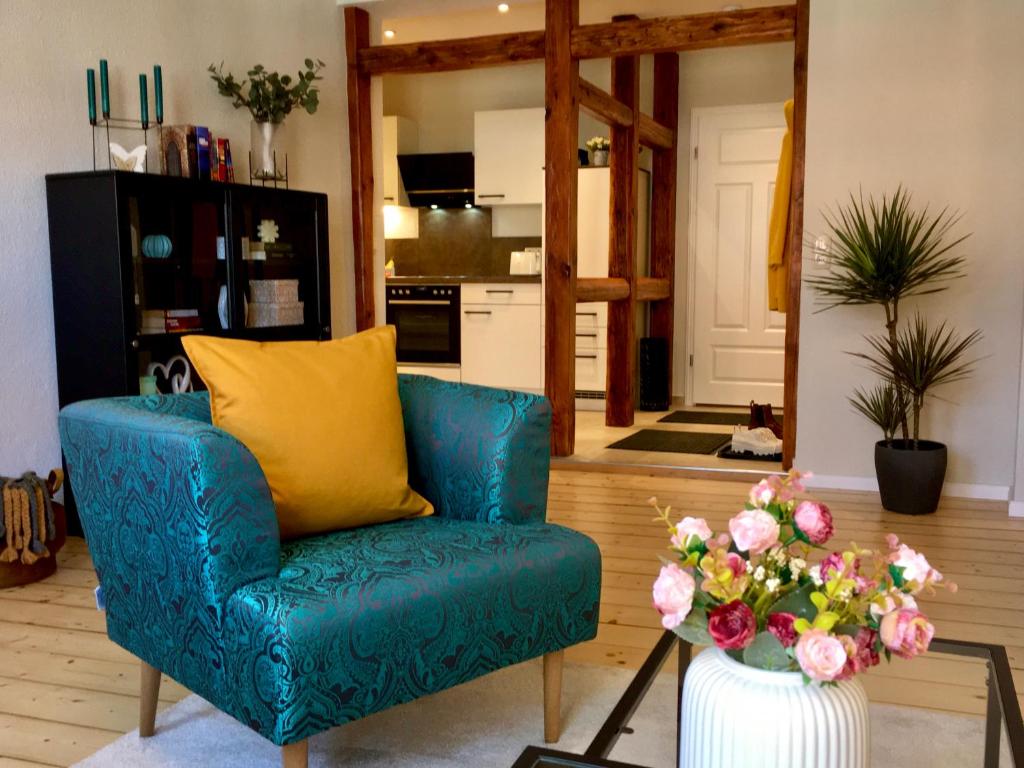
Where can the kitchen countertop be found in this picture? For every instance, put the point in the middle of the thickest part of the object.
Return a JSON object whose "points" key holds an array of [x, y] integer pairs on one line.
{"points": [[453, 279]]}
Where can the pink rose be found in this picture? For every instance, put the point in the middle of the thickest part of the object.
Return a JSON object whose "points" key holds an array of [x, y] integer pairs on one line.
{"points": [[916, 567], [906, 632], [732, 626], [820, 655], [673, 595], [754, 531], [814, 520], [762, 494], [887, 602], [781, 625], [690, 526], [833, 564]]}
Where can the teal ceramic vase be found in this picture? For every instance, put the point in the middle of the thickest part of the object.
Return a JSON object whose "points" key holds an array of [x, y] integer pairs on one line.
{"points": [[156, 246]]}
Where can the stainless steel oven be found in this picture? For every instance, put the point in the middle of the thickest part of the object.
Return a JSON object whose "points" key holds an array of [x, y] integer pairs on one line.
{"points": [[426, 318]]}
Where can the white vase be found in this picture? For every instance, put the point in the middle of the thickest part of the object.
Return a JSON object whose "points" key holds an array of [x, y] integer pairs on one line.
{"points": [[735, 715], [267, 141]]}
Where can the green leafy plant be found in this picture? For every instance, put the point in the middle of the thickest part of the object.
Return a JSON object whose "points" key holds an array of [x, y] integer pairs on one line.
{"points": [[270, 96], [884, 252]]}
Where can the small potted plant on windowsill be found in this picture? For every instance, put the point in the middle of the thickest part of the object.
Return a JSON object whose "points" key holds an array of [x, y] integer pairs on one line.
{"points": [[270, 98], [599, 147], [883, 253]]}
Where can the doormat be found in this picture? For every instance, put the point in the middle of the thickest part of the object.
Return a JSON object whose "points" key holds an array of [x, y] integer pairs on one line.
{"points": [[672, 442], [728, 453], [711, 417]]}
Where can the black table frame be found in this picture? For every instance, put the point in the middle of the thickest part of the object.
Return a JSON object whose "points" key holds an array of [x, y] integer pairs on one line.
{"points": [[1002, 706]]}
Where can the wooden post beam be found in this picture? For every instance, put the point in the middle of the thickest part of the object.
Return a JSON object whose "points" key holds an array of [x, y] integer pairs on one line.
{"points": [[620, 394], [603, 106], [601, 289], [663, 200], [796, 233], [448, 55], [360, 142], [652, 288], [771, 24], [655, 135], [561, 138]]}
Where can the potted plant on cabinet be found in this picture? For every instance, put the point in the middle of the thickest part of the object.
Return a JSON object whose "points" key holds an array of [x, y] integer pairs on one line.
{"points": [[599, 147], [270, 99], [883, 253]]}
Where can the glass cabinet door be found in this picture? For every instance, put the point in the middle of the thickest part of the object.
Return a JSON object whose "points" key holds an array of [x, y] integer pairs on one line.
{"points": [[280, 278]]}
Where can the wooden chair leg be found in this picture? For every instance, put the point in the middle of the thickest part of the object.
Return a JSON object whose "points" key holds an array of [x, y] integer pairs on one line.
{"points": [[149, 691], [295, 755], [553, 696]]}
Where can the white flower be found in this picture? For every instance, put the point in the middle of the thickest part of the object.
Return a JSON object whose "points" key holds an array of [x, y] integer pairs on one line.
{"points": [[815, 574], [759, 573], [749, 566], [772, 584], [796, 566]]}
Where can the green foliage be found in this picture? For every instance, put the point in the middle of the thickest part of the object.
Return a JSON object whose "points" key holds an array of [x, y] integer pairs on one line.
{"points": [[921, 359], [885, 405], [694, 628], [766, 652], [798, 602], [271, 96]]}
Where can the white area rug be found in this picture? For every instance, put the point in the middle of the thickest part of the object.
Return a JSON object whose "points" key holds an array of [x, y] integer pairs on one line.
{"points": [[489, 721]]}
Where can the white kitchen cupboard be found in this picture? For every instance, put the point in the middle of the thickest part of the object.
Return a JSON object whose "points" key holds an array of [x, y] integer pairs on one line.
{"points": [[501, 337], [398, 137], [508, 155], [443, 372]]}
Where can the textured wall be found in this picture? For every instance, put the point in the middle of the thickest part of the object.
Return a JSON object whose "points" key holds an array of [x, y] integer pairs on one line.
{"points": [[47, 46]]}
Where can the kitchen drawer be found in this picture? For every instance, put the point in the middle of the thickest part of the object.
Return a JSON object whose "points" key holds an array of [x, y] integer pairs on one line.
{"points": [[501, 346], [502, 293], [591, 369], [591, 316], [590, 340]]}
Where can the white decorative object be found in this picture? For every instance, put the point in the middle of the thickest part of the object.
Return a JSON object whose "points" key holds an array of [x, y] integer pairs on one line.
{"points": [[222, 307], [760, 441], [268, 231], [734, 715], [180, 382], [128, 161], [268, 154]]}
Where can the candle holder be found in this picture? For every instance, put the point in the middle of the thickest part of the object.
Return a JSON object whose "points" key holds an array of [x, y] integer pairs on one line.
{"points": [[104, 125], [270, 177]]}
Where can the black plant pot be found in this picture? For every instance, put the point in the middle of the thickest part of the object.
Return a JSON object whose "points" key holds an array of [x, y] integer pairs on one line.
{"points": [[910, 481]]}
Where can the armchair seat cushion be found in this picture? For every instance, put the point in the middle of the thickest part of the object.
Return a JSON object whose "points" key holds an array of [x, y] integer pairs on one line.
{"points": [[362, 619]]}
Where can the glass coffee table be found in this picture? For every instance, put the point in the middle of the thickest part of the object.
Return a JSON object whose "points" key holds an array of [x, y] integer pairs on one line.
{"points": [[642, 729]]}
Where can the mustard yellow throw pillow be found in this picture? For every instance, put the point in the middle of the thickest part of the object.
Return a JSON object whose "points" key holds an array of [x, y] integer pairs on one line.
{"points": [[324, 421]]}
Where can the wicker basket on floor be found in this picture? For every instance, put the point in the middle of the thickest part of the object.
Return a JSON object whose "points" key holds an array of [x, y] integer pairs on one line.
{"points": [[30, 559]]}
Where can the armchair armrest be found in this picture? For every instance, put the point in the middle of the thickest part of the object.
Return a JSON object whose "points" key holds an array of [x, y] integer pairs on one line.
{"points": [[178, 516], [477, 453]]}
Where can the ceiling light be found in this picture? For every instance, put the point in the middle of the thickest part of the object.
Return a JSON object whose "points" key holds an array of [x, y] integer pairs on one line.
{"points": [[502, 7], [389, 33]]}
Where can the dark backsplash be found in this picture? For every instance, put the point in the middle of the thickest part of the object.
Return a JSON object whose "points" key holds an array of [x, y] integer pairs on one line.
{"points": [[455, 241]]}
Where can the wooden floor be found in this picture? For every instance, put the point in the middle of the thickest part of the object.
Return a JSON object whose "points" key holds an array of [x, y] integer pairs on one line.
{"points": [[66, 691]]}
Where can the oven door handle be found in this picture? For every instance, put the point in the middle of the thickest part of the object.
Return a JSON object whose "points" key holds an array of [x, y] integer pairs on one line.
{"points": [[420, 302]]}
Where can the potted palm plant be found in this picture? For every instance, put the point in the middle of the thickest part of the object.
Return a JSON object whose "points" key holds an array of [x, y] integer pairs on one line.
{"points": [[883, 253]]}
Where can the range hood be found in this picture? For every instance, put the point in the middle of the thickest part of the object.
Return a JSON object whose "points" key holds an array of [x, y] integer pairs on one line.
{"points": [[444, 180]]}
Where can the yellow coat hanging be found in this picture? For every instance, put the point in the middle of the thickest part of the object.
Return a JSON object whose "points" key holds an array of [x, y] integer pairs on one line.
{"points": [[778, 225]]}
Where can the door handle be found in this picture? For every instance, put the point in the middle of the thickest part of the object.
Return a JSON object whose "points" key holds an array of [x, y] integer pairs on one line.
{"points": [[587, 335], [420, 302], [476, 312], [586, 314], [498, 290], [586, 357], [483, 196]]}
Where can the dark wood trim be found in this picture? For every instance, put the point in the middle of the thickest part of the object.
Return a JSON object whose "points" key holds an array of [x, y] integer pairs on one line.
{"points": [[771, 24], [663, 199], [602, 105], [561, 137], [652, 133], [796, 234], [620, 396], [448, 55], [601, 289], [360, 142], [652, 289]]}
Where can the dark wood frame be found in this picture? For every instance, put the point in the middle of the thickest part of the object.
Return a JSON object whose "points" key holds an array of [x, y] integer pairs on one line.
{"points": [[562, 44]]}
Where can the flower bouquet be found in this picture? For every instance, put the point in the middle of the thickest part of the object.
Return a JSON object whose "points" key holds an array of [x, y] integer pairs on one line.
{"points": [[754, 593]]}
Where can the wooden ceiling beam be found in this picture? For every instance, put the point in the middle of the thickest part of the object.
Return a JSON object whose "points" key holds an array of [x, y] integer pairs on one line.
{"points": [[771, 24], [449, 55], [655, 135], [602, 105], [601, 289]]}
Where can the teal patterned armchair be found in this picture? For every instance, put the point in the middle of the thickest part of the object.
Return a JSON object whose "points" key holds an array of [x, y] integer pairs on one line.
{"points": [[292, 638]]}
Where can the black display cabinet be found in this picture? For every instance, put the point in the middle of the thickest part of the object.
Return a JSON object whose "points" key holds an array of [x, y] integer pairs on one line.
{"points": [[139, 260]]}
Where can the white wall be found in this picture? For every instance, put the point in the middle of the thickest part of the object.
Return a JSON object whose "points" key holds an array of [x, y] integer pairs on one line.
{"points": [[47, 46], [925, 93]]}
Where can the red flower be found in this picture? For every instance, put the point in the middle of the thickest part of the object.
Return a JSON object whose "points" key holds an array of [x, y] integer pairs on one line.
{"points": [[860, 653], [732, 626], [781, 625]]}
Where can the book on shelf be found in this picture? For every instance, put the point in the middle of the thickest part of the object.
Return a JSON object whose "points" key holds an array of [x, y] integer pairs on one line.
{"points": [[170, 320], [225, 171], [203, 152]]}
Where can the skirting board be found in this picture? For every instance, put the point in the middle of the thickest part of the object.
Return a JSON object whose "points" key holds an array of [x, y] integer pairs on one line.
{"points": [[958, 490], [1017, 509]]}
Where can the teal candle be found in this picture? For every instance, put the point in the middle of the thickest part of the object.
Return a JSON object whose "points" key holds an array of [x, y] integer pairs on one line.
{"points": [[104, 89], [90, 86], [158, 93], [144, 100]]}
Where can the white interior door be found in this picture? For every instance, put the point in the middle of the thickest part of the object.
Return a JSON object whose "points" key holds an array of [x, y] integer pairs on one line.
{"points": [[737, 344]]}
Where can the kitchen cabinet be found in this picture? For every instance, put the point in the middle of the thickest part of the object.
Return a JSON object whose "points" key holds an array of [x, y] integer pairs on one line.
{"points": [[442, 372], [508, 156], [398, 137], [501, 335]]}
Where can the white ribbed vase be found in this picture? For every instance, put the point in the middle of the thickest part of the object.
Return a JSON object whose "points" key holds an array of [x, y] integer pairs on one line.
{"points": [[735, 715]]}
